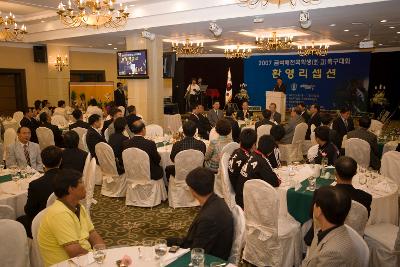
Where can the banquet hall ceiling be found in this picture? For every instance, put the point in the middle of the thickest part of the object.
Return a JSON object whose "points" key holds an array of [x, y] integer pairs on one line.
{"points": [[190, 18]]}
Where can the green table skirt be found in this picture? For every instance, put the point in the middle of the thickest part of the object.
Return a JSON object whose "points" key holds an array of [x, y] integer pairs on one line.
{"points": [[184, 260], [161, 144], [5, 178]]}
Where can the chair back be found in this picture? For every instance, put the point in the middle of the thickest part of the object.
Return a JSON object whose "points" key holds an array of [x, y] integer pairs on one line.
{"points": [[312, 153], [15, 249], [376, 127], [136, 164], [10, 136], [213, 134], [390, 166], [154, 130], [122, 109], [18, 116], [106, 158], [357, 217], [262, 245], [7, 212], [263, 130], [86, 168], [359, 150], [300, 133], [107, 135], [227, 189], [85, 147], [312, 135], [185, 162], [173, 122], [229, 148], [90, 178], [81, 132], [45, 137], [51, 200], [58, 120], [239, 226], [360, 246], [36, 258], [344, 140]]}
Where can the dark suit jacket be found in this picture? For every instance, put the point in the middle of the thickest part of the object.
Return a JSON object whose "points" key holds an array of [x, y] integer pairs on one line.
{"points": [[316, 120], [202, 124], [240, 115], [130, 119], [306, 116], [116, 140], [282, 88], [32, 124], [148, 146], [212, 229], [372, 140], [341, 129], [185, 144], [105, 125], [73, 158], [277, 117], [119, 98], [92, 139], [264, 122], [235, 128], [79, 123], [398, 148], [58, 139], [358, 195]]}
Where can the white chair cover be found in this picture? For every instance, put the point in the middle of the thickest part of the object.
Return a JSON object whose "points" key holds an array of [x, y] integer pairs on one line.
{"points": [[357, 217], [359, 150], [263, 130], [228, 148], [361, 247], [213, 135], [10, 135], [154, 130], [89, 178], [45, 137], [312, 153], [376, 127], [307, 144], [178, 191], [51, 200], [36, 258], [344, 141], [107, 135], [86, 168], [81, 132], [85, 147], [173, 122], [390, 166], [238, 235], [18, 116], [59, 120], [14, 251], [7, 212], [122, 109], [294, 151], [114, 185], [384, 243], [227, 189], [141, 190]]}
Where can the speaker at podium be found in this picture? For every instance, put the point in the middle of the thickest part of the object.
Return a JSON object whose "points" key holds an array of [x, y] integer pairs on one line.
{"points": [[279, 98]]}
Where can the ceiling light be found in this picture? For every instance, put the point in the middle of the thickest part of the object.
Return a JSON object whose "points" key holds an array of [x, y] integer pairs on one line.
{"points": [[381, 44], [210, 50], [305, 50], [346, 30], [383, 21], [42, 21], [9, 29], [115, 48], [392, 27], [274, 43], [110, 44], [356, 35], [187, 48], [398, 32], [238, 52], [333, 25], [264, 3]]}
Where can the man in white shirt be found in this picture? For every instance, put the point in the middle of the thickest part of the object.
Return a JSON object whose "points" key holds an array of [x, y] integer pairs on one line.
{"points": [[60, 110], [23, 152], [191, 93]]}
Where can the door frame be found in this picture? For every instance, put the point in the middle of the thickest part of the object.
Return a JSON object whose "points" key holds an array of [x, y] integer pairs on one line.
{"points": [[20, 87]]}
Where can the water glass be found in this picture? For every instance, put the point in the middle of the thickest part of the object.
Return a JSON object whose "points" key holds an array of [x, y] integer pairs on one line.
{"points": [[147, 250], [197, 257], [99, 253], [160, 249], [311, 183]]}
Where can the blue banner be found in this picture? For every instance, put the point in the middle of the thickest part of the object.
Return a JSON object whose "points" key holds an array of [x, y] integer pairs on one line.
{"points": [[333, 81]]}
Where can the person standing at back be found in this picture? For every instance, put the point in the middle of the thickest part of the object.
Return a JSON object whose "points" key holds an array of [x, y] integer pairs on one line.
{"points": [[119, 95]]}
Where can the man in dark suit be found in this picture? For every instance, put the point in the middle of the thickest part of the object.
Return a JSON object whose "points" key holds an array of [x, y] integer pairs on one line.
{"points": [[343, 123], [188, 142], [119, 95], [326, 149], [234, 124], [363, 134], [215, 114], [114, 113], [276, 117], [314, 119], [78, 116], [93, 135], [73, 157], [326, 120], [131, 117], [30, 122], [40, 189], [266, 119], [212, 229], [148, 146], [116, 142], [304, 112], [279, 86], [202, 123], [45, 120], [244, 113]]}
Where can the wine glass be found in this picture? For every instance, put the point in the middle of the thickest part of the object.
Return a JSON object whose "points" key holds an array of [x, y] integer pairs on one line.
{"points": [[99, 253], [311, 183], [197, 257], [160, 248], [165, 140]]}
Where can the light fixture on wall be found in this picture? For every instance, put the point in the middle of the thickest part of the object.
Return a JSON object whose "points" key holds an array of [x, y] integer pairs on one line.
{"points": [[93, 13], [305, 50], [274, 42], [238, 52], [187, 48], [61, 63], [264, 3], [9, 30]]}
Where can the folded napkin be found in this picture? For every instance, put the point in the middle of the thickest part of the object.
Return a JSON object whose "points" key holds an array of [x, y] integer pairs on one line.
{"points": [[84, 260], [383, 187]]}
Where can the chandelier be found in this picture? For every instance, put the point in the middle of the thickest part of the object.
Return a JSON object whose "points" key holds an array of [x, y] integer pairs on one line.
{"points": [[237, 53], [93, 13], [264, 3], [274, 42], [304, 51], [187, 48], [61, 63], [9, 30]]}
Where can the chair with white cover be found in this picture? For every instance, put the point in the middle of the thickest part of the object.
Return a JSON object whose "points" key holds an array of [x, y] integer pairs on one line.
{"points": [[7, 212], [294, 151], [154, 130], [89, 178], [213, 134], [376, 127], [357, 217], [114, 185], [359, 150], [309, 143], [122, 109], [83, 139], [383, 240], [86, 168], [312, 153], [228, 193], [263, 130], [18, 116], [173, 122], [45, 137], [361, 248], [10, 136], [268, 236], [390, 166], [141, 190], [239, 226], [36, 258], [179, 195], [228, 148], [15, 249], [59, 120], [81, 132], [344, 141], [107, 134], [51, 199]]}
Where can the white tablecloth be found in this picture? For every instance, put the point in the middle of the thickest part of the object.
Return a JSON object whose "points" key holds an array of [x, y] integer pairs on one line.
{"points": [[384, 206], [14, 196], [390, 146]]}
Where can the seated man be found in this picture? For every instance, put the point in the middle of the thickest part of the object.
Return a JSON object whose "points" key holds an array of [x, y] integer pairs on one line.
{"points": [[215, 114], [363, 133], [325, 147], [266, 119], [296, 119], [304, 112], [315, 119], [93, 136], [116, 140], [332, 246], [73, 157], [202, 123], [78, 116], [234, 124], [275, 115], [148, 146], [40, 189], [277, 132], [29, 121], [334, 137], [188, 142], [108, 124], [23, 152], [212, 229], [45, 121], [258, 167], [66, 230], [131, 117], [244, 113], [60, 109], [248, 139]]}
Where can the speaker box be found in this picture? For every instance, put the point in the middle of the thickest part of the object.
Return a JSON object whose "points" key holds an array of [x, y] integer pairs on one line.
{"points": [[40, 53]]}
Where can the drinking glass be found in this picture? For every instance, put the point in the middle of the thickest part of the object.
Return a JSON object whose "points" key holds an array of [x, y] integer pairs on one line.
{"points": [[362, 179], [99, 253], [148, 250], [197, 257], [311, 183], [165, 140], [160, 248]]}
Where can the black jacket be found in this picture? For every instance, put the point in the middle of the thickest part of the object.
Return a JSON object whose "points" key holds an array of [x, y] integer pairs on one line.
{"points": [[73, 158], [58, 139], [148, 146], [316, 120], [32, 124], [93, 137], [185, 144], [119, 98], [238, 158], [212, 229], [240, 115], [235, 128], [306, 116], [116, 140], [202, 124], [341, 129], [105, 125], [79, 123], [331, 151], [358, 195], [282, 88]]}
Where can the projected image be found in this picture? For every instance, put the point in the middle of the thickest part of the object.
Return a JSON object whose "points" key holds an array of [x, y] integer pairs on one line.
{"points": [[132, 64]]}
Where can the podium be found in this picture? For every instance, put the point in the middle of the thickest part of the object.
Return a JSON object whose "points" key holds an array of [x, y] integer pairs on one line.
{"points": [[279, 99]]}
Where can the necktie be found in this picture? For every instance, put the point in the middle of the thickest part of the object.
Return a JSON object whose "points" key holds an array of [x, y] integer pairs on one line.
{"points": [[216, 112], [346, 124], [26, 152]]}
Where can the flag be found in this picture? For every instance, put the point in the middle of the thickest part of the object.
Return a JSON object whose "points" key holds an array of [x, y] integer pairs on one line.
{"points": [[228, 91], [229, 80]]}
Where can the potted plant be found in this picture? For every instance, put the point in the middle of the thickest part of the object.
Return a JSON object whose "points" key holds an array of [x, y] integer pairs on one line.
{"points": [[73, 98]]}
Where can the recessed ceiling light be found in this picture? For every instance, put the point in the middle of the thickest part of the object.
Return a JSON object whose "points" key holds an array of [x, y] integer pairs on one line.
{"points": [[210, 50], [333, 25], [109, 44], [42, 21], [356, 35], [346, 30], [380, 44], [115, 48], [398, 32], [383, 21], [392, 27]]}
